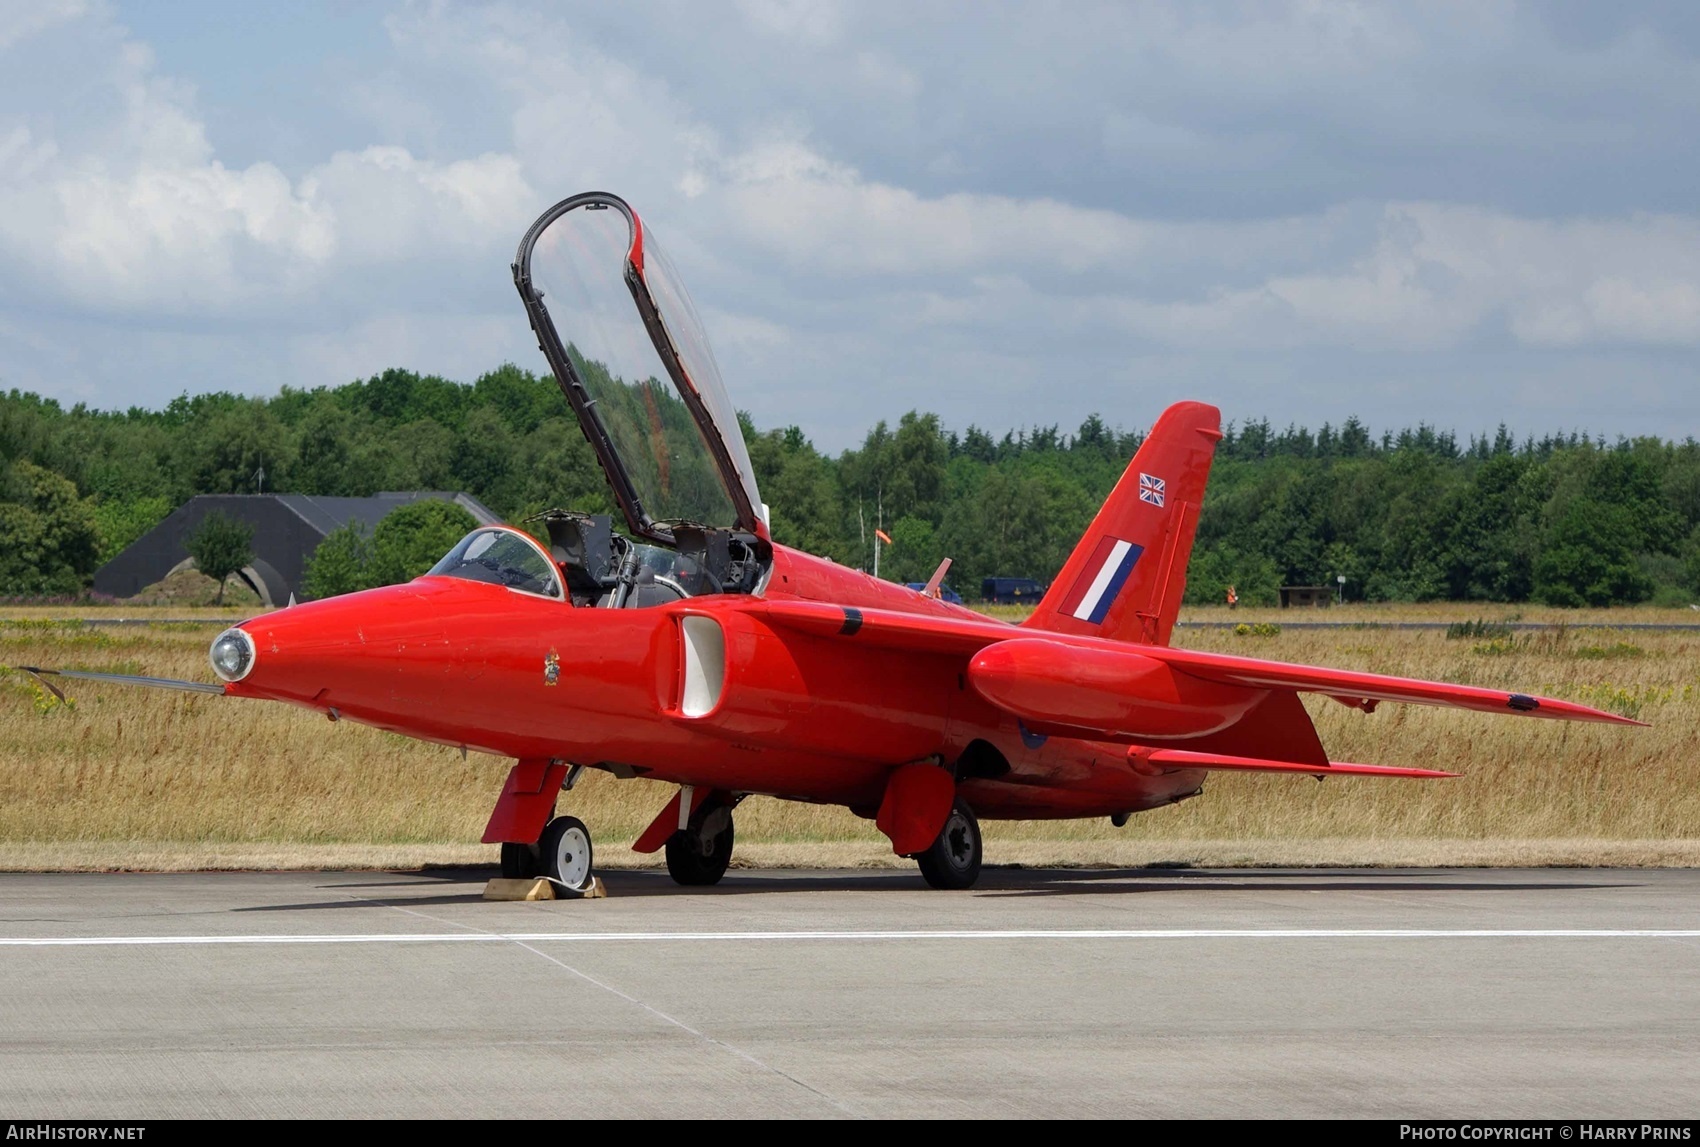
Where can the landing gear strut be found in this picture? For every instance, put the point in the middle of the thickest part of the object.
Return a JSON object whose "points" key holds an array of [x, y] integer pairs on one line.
{"points": [[953, 860], [699, 853]]}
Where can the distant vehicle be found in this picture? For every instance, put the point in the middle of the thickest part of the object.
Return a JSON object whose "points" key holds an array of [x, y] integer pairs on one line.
{"points": [[945, 592], [1011, 590]]}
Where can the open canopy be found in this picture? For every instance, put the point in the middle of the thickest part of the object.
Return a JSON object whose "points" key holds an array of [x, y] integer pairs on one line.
{"points": [[630, 354]]}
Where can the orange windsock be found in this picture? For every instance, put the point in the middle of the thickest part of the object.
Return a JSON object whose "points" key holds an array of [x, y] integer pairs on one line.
{"points": [[883, 536]]}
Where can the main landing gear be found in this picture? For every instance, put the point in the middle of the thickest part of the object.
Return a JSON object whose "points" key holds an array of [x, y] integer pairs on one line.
{"points": [[563, 854], [699, 853], [953, 860]]}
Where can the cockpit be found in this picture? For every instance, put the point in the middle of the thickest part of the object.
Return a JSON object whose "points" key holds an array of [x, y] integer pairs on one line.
{"points": [[590, 564], [630, 355], [605, 568]]}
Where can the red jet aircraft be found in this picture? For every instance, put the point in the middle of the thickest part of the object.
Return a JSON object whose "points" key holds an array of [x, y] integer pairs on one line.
{"points": [[696, 650]]}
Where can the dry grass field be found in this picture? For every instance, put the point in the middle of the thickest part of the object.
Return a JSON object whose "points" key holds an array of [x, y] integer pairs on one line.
{"points": [[131, 778]]}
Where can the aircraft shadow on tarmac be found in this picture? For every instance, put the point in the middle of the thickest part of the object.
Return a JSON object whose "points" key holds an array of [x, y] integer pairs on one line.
{"points": [[1003, 883], [1120, 882]]}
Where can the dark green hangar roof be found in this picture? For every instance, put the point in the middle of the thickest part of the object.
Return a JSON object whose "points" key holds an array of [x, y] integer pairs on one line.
{"points": [[287, 529]]}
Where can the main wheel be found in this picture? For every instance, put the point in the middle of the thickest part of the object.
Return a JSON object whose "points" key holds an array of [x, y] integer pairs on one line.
{"points": [[953, 860], [566, 853], [521, 861], [698, 855]]}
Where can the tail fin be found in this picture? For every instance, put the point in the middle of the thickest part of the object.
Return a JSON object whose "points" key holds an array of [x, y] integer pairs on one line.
{"points": [[1125, 578]]}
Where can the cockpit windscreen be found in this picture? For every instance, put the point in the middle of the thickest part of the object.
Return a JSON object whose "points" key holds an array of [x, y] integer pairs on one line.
{"points": [[501, 557]]}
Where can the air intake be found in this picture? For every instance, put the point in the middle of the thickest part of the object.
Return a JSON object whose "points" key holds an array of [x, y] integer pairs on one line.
{"points": [[705, 665]]}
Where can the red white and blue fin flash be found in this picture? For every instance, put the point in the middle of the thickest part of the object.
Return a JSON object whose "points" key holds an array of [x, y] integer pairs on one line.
{"points": [[1105, 574]]}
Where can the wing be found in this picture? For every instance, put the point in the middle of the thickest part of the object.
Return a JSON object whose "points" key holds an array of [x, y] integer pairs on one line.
{"points": [[1362, 690], [1084, 682]]}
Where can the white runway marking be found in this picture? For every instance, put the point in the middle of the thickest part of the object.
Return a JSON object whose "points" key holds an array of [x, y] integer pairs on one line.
{"points": [[852, 936]]}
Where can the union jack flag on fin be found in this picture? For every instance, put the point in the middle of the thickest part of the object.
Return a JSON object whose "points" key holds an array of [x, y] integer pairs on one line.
{"points": [[1152, 490]]}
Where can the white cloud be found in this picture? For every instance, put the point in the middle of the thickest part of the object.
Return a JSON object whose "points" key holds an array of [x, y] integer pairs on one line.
{"points": [[822, 216], [390, 206], [1441, 271], [880, 75], [810, 22], [1429, 275], [21, 157], [457, 345], [831, 265], [21, 19], [135, 214], [1647, 311]]}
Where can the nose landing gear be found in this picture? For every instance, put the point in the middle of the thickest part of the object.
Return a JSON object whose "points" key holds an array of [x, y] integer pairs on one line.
{"points": [[565, 854], [562, 851], [521, 861]]}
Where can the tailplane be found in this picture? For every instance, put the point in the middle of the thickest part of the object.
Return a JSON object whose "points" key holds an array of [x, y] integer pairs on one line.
{"points": [[1126, 577]]}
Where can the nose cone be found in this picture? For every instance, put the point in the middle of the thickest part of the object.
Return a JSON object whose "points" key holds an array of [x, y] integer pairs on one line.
{"points": [[351, 646], [442, 659]]}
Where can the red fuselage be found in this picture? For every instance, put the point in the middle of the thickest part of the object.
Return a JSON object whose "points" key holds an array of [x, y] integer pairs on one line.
{"points": [[796, 715]]}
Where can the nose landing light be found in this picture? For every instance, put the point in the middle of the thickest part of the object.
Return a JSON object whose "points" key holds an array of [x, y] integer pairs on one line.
{"points": [[232, 654]]}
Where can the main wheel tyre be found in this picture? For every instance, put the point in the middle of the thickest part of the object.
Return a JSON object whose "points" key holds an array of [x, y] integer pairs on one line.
{"points": [[566, 853], [521, 861], [699, 854], [953, 860]]}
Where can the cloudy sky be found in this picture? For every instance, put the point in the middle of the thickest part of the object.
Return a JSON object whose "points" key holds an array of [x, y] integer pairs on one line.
{"points": [[1007, 213]]}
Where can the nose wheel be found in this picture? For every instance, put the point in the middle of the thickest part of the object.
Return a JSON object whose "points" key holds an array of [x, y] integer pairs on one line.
{"points": [[953, 860], [699, 853], [564, 854]]}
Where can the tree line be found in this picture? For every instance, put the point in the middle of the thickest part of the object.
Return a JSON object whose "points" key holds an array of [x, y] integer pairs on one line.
{"points": [[1408, 515]]}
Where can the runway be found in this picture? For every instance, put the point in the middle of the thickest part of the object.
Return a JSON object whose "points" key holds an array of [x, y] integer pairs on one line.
{"points": [[1247, 993]]}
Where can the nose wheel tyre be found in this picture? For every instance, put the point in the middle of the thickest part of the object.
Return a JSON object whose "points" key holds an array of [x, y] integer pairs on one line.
{"points": [[953, 860], [698, 855], [566, 855]]}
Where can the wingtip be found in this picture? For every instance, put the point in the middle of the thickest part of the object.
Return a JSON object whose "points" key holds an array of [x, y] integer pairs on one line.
{"points": [[1605, 717], [1567, 711]]}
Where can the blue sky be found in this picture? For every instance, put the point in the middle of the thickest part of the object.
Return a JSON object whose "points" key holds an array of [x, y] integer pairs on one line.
{"points": [[1007, 213]]}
